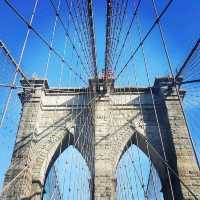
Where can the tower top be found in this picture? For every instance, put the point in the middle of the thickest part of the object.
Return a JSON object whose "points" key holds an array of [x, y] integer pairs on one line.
{"points": [[101, 85]]}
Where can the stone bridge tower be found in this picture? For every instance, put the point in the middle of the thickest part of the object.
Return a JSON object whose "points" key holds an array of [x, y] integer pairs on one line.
{"points": [[116, 119]]}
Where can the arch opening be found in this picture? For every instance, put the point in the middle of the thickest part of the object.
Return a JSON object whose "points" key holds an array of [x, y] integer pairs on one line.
{"points": [[137, 177], [68, 177]]}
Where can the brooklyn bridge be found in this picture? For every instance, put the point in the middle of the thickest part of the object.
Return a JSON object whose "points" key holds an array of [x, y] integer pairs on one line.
{"points": [[99, 100]]}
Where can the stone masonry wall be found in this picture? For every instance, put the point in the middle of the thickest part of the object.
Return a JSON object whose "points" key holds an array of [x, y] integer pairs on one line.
{"points": [[102, 127]]}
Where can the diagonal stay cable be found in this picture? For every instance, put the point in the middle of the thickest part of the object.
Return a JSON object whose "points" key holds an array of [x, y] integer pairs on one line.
{"points": [[188, 58], [17, 67], [145, 37], [173, 76], [119, 28], [127, 33], [79, 35], [86, 26], [67, 33], [29, 165], [165, 162], [114, 17], [19, 63], [159, 156], [92, 36], [83, 34], [44, 40], [108, 34]]}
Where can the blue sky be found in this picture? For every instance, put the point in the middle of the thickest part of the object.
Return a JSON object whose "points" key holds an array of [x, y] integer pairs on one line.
{"points": [[181, 31], [180, 25]]}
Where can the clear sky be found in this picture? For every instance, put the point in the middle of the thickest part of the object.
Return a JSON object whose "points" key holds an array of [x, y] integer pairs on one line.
{"points": [[180, 25]]}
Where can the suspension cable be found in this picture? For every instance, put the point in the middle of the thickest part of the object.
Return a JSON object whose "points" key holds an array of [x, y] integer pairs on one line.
{"points": [[145, 37], [43, 40]]}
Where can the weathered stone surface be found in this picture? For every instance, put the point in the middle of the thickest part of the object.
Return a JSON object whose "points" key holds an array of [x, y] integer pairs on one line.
{"points": [[102, 127]]}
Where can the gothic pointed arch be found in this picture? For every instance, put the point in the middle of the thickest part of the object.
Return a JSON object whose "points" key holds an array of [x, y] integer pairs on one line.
{"points": [[46, 157]]}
